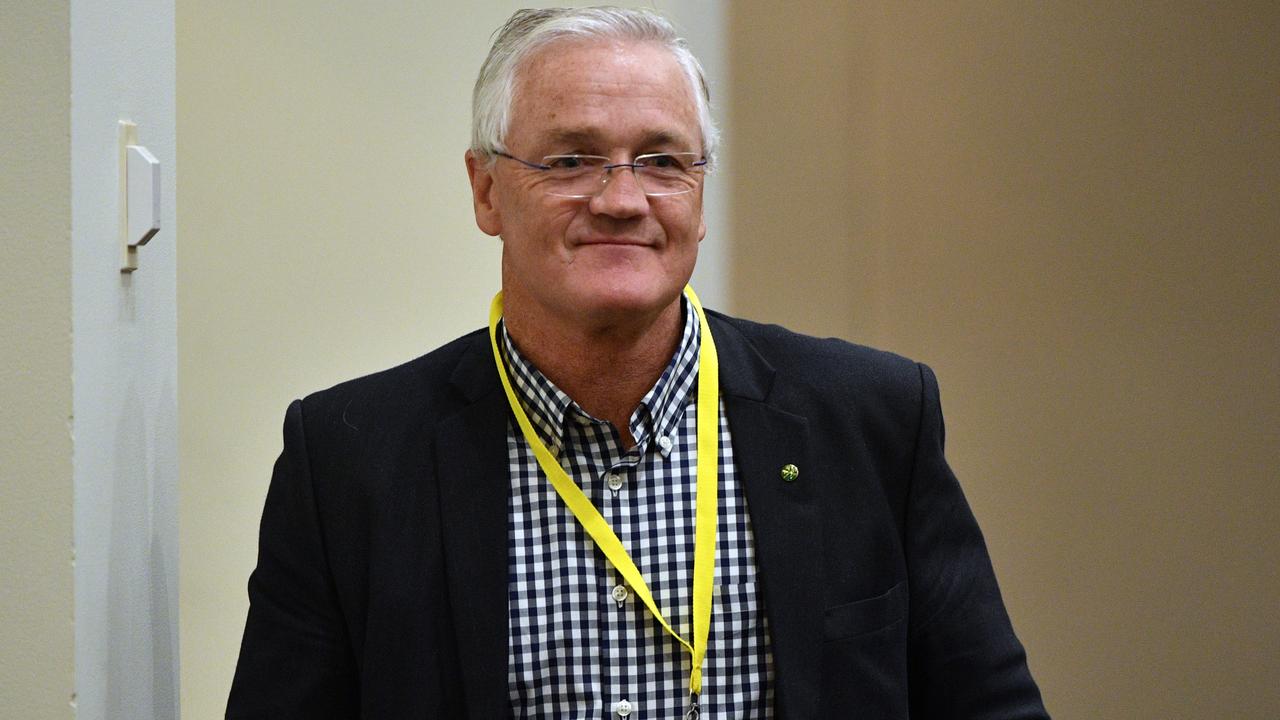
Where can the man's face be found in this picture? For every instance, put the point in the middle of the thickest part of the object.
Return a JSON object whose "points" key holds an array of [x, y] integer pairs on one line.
{"points": [[618, 255]]}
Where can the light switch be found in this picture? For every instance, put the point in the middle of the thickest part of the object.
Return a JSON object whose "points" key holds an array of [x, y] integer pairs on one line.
{"points": [[139, 196]]}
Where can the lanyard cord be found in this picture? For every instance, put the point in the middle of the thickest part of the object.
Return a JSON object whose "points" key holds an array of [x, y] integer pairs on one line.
{"points": [[704, 545]]}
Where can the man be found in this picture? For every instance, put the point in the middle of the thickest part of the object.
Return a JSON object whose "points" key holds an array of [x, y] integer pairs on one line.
{"points": [[612, 503]]}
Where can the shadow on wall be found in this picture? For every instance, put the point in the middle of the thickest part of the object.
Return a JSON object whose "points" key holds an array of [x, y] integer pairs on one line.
{"points": [[140, 641]]}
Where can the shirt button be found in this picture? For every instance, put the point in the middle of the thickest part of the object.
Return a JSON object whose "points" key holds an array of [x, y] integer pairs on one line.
{"points": [[620, 593], [664, 444], [614, 480], [623, 708]]}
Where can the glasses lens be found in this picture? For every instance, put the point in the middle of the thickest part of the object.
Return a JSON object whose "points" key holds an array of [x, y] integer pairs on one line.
{"points": [[668, 173], [574, 175], [581, 176]]}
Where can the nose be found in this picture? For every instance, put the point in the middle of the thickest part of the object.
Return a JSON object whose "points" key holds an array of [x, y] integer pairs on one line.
{"points": [[621, 195]]}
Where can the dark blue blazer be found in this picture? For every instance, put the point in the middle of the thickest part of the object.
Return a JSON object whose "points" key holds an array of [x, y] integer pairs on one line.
{"points": [[381, 585]]}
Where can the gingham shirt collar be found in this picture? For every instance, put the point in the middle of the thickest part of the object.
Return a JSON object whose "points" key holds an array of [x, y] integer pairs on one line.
{"points": [[657, 415]]}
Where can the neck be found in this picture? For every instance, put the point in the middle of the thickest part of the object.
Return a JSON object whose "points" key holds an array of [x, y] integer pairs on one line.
{"points": [[605, 368]]}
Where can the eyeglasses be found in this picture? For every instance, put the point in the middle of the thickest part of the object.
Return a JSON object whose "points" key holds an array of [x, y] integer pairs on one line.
{"points": [[582, 176]]}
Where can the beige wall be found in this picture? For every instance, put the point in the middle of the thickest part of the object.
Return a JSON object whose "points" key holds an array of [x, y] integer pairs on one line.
{"points": [[36, 635], [1072, 211], [327, 233]]}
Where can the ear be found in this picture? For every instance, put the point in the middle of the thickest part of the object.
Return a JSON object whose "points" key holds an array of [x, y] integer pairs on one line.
{"points": [[702, 227], [480, 172]]}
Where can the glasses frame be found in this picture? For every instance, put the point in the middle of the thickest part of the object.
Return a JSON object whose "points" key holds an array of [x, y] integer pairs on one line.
{"points": [[607, 168]]}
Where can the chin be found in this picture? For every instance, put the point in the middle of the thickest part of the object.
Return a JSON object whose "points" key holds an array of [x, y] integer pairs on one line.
{"points": [[627, 300]]}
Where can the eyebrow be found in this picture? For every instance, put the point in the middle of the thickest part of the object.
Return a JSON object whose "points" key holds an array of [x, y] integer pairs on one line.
{"points": [[575, 136]]}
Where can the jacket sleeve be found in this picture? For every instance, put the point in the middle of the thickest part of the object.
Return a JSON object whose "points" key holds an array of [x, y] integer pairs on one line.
{"points": [[965, 661], [295, 660]]}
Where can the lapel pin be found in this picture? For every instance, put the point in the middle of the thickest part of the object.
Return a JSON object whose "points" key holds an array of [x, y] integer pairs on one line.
{"points": [[790, 472]]}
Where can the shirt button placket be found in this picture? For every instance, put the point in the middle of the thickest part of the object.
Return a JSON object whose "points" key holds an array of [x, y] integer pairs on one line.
{"points": [[615, 627]]}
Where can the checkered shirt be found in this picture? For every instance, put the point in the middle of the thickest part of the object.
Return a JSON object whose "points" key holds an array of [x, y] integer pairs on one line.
{"points": [[576, 651]]}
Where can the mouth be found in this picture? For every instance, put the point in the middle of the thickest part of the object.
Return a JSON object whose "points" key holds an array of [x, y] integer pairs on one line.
{"points": [[614, 241]]}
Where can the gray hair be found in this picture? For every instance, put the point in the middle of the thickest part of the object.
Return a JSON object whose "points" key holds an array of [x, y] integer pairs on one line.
{"points": [[529, 30]]}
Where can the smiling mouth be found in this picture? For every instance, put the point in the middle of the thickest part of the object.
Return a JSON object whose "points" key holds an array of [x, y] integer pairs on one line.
{"points": [[624, 242]]}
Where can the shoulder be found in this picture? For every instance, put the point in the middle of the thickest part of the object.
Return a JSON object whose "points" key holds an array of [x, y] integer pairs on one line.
{"points": [[828, 367], [431, 385]]}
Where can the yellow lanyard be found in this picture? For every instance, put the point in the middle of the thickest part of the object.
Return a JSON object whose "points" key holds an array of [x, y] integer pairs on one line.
{"points": [[704, 545]]}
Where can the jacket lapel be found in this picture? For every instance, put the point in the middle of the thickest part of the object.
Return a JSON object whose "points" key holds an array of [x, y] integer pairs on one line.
{"points": [[785, 518], [473, 478]]}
